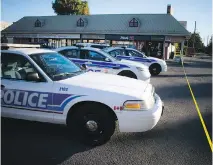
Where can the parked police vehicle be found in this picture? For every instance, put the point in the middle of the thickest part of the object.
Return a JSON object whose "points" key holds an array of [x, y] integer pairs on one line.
{"points": [[156, 65], [43, 85], [93, 45], [97, 60]]}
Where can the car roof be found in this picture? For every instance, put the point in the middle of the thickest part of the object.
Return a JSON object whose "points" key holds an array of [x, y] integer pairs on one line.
{"points": [[27, 51], [98, 44], [75, 47], [65, 47], [112, 48]]}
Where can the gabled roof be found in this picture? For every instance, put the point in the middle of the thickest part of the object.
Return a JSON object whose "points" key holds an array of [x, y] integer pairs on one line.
{"points": [[149, 24]]}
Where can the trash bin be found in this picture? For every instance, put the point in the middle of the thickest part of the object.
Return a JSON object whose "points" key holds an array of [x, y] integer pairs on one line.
{"points": [[172, 54]]}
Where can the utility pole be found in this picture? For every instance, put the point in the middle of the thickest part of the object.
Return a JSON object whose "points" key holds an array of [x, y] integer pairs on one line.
{"points": [[194, 35], [207, 40], [194, 39]]}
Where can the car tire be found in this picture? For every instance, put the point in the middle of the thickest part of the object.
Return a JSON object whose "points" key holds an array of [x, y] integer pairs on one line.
{"points": [[92, 124], [155, 69], [127, 74]]}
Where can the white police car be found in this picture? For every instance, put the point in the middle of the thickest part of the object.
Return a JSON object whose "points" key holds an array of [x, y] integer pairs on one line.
{"points": [[97, 60], [42, 85], [155, 65]]}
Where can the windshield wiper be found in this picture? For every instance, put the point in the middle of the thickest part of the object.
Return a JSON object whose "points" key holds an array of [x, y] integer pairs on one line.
{"points": [[68, 73], [80, 71], [63, 74]]}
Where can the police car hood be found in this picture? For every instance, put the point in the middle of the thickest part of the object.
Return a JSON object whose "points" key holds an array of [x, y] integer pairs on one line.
{"points": [[132, 63], [98, 83]]}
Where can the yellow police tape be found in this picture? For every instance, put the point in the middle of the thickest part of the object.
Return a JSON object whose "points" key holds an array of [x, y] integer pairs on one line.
{"points": [[198, 110]]}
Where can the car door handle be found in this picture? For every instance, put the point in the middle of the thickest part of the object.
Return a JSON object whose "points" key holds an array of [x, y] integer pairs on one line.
{"points": [[2, 87], [88, 63]]}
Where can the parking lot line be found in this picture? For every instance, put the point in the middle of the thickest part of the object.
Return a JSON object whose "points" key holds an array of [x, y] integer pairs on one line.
{"points": [[198, 110]]}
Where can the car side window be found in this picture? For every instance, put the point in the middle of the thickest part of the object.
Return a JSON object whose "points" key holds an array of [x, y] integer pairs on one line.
{"points": [[16, 67], [113, 53], [117, 52], [70, 53], [122, 52], [133, 53], [84, 54], [96, 56]]}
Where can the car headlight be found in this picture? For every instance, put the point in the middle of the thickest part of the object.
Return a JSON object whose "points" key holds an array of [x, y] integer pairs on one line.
{"points": [[141, 105]]}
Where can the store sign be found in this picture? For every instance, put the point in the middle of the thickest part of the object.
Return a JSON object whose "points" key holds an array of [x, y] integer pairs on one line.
{"points": [[126, 37], [93, 36], [157, 38]]}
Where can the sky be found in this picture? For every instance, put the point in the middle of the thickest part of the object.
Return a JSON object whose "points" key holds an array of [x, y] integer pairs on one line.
{"points": [[183, 10]]}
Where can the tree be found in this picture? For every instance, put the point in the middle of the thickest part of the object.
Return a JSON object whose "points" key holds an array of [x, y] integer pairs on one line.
{"points": [[85, 8], [198, 44], [70, 7]]}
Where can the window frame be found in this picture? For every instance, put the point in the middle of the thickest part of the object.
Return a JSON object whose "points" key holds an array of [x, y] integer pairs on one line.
{"points": [[66, 50], [37, 23], [43, 79], [127, 52], [133, 23], [80, 23], [88, 58], [116, 50]]}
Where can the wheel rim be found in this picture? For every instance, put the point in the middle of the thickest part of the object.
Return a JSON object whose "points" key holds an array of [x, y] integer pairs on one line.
{"points": [[91, 125], [154, 70]]}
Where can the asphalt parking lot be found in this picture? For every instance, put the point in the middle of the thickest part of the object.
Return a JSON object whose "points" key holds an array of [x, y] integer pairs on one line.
{"points": [[177, 139]]}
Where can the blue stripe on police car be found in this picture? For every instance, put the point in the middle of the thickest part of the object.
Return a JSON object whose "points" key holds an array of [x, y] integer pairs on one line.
{"points": [[36, 100]]}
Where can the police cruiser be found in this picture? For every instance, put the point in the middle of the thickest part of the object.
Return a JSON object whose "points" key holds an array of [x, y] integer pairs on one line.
{"points": [[97, 60], [42, 85], [156, 66]]}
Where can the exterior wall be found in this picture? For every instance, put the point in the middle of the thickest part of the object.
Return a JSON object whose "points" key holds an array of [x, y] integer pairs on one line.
{"points": [[150, 45]]}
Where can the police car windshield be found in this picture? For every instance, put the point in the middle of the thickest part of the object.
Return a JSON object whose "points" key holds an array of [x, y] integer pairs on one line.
{"points": [[56, 66]]}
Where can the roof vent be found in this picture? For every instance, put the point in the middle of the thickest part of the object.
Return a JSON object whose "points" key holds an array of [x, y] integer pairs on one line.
{"points": [[169, 9]]}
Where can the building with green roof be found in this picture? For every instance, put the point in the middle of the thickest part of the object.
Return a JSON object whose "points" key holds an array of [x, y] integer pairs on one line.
{"points": [[151, 33]]}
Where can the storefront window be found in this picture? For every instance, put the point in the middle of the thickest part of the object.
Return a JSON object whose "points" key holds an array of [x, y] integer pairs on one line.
{"points": [[154, 49]]}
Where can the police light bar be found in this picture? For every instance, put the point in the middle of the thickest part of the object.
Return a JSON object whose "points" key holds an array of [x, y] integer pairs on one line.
{"points": [[124, 47], [80, 46], [6, 46]]}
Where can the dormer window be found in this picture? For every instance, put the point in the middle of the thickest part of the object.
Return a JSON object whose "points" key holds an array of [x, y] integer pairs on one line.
{"points": [[80, 23], [133, 23], [37, 23]]}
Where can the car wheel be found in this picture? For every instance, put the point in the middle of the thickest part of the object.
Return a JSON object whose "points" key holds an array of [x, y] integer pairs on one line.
{"points": [[92, 124], [155, 69], [127, 74]]}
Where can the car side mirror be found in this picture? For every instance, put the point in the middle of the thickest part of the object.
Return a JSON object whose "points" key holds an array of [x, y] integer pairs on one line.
{"points": [[84, 67], [33, 76], [107, 59]]}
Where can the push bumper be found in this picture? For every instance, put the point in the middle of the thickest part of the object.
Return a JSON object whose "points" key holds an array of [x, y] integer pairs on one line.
{"points": [[141, 121]]}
